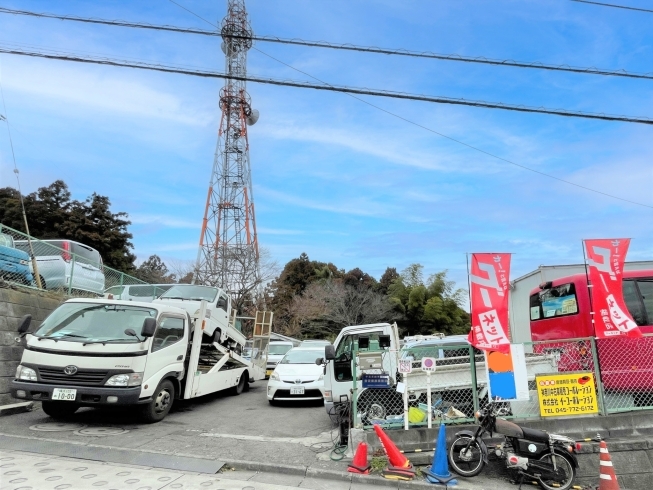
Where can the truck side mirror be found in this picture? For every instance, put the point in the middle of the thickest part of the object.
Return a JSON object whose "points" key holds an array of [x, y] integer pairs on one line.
{"points": [[329, 352], [149, 327], [319, 361], [24, 323]]}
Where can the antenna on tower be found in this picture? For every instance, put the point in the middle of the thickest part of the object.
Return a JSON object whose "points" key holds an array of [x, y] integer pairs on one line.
{"points": [[228, 255]]}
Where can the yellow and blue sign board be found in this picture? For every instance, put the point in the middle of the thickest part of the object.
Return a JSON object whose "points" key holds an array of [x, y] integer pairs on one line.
{"points": [[567, 394]]}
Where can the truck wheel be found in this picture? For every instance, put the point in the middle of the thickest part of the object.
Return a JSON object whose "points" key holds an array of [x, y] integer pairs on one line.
{"points": [[59, 410], [241, 386], [159, 406]]}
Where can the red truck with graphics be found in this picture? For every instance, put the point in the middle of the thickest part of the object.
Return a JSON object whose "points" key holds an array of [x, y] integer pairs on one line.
{"points": [[560, 311]]}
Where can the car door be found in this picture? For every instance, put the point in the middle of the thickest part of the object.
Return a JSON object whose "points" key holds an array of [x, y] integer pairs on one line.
{"points": [[167, 349]]}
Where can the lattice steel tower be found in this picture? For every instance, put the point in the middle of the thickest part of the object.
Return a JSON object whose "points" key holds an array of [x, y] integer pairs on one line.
{"points": [[228, 254]]}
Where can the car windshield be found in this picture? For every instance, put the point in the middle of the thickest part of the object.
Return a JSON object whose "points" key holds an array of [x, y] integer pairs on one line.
{"points": [[191, 292], [301, 357], [278, 349], [93, 322]]}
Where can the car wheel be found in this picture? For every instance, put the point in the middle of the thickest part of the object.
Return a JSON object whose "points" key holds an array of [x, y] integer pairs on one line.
{"points": [[159, 406], [59, 410], [241, 386]]}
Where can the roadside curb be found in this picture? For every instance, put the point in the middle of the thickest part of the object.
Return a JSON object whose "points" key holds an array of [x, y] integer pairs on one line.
{"points": [[14, 408]]}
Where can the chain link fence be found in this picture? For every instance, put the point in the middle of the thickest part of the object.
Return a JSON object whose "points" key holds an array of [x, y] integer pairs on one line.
{"points": [[622, 370], [62, 265]]}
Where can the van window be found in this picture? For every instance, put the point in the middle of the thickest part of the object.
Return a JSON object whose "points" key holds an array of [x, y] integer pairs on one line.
{"points": [[86, 255], [6, 240], [633, 302], [115, 290], [557, 301], [646, 290]]}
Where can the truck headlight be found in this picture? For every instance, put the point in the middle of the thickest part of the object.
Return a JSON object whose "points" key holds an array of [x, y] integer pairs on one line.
{"points": [[25, 373], [23, 262], [127, 379], [275, 376]]}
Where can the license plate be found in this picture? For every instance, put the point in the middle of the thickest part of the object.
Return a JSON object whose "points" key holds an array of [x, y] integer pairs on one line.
{"points": [[297, 390], [64, 394]]}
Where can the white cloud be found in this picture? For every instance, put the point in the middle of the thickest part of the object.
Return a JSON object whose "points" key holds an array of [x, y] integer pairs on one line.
{"points": [[93, 88]]}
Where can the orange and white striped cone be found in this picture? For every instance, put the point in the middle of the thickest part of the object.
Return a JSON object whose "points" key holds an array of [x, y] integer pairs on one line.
{"points": [[607, 478]]}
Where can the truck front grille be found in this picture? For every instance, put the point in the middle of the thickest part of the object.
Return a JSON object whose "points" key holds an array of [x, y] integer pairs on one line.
{"points": [[81, 377]]}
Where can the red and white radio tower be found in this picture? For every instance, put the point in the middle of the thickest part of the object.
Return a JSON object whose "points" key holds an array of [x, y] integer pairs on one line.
{"points": [[228, 254]]}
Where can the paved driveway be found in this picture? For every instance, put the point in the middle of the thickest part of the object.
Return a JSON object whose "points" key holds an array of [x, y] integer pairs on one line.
{"points": [[241, 427]]}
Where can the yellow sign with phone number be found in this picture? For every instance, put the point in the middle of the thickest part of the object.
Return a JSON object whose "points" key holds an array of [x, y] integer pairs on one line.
{"points": [[567, 394]]}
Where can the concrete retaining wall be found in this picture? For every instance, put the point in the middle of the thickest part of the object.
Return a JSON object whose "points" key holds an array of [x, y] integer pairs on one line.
{"points": [[629, 437], [14, 304]]}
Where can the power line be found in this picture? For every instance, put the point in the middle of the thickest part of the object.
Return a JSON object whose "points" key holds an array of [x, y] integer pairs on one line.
{"points": [[349, 47], [614, 6], [444, 135], [331, 88]]}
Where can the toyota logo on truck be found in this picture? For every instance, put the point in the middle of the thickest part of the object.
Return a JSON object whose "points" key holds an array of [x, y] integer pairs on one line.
{"points": [[70, 370]]}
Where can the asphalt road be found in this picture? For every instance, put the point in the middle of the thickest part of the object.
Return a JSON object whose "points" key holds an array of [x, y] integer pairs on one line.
{"points": [[243, 427]]}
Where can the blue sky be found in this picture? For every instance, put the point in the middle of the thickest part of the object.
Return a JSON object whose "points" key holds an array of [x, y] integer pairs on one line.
{"points": [[333, 177]]}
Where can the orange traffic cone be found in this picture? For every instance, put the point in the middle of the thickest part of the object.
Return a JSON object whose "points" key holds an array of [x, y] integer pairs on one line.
{"points": [[608, 480], [359, 464], [399, 468]]}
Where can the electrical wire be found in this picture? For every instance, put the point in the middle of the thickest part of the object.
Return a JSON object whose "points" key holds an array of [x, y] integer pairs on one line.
{"points": [[347, 47], [325, 86], [524, 167], [614, 6]]}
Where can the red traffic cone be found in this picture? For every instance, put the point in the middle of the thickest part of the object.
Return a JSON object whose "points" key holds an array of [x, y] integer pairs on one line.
{"points": [[607, 478], [359, 464], [395, 458]]}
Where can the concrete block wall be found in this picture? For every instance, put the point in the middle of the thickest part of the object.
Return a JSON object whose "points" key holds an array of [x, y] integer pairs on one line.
{"points": [[14, 304]]}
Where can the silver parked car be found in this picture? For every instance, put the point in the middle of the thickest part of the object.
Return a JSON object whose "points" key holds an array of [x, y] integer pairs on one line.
{"points": [[66, 264]]}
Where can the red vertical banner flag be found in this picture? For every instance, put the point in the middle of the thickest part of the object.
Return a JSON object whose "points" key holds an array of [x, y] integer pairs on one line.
{"points": [[489, 280], [605, 264]]}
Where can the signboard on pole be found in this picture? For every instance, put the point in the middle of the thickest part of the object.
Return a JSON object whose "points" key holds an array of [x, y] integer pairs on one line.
{"points": [[405, 366], [566, 394], [489, 279], [605, 263], [428, 364]]}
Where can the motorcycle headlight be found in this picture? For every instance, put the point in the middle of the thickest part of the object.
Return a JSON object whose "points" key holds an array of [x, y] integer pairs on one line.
{"points": [[127, 379], [275, 376], [25, 373]]}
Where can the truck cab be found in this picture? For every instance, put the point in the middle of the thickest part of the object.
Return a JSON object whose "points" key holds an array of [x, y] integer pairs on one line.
{"points": [[339, 357]]}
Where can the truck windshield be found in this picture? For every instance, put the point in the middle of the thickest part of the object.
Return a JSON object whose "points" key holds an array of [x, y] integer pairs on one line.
{"points": [[191, 292], [278, 349], [90, 322]]}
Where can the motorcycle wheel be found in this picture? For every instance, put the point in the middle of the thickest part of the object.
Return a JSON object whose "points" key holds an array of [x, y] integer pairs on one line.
{"points": [[565, 469], [466, 462]]}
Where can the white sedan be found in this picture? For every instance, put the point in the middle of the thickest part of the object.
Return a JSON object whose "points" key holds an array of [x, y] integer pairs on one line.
{"points": [[297, 377]]}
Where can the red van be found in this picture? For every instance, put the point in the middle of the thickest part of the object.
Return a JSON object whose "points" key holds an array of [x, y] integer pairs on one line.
{"points": [[560, 311]]}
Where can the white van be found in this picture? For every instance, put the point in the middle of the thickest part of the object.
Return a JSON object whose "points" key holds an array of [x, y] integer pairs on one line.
{"points": [[66, 264], [145, 293]]}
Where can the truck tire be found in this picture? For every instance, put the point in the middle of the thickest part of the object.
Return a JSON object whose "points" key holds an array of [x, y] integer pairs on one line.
{"points": [[159, 406], [242, 385], [59, 410]]}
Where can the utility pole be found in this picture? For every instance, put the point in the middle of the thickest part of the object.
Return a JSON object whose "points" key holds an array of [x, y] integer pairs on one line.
{"points": [[228, 255]]}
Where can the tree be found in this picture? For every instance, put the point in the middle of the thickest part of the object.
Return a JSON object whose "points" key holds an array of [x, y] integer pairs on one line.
{"points": [[52, 214], [154, 271], [426, 308]]}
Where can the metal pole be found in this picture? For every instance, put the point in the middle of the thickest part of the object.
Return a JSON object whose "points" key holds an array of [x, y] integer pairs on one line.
{"points": [[354, 392], [428, 399], [597, 373], [405, 379], [72, 272], [472, 366]]}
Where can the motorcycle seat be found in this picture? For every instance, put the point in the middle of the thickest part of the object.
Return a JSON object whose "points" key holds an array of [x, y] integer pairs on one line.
{"points": [[535, 435]]}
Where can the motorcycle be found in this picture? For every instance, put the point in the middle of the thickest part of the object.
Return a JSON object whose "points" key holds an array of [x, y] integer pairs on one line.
{"points": [[550, 459]]}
